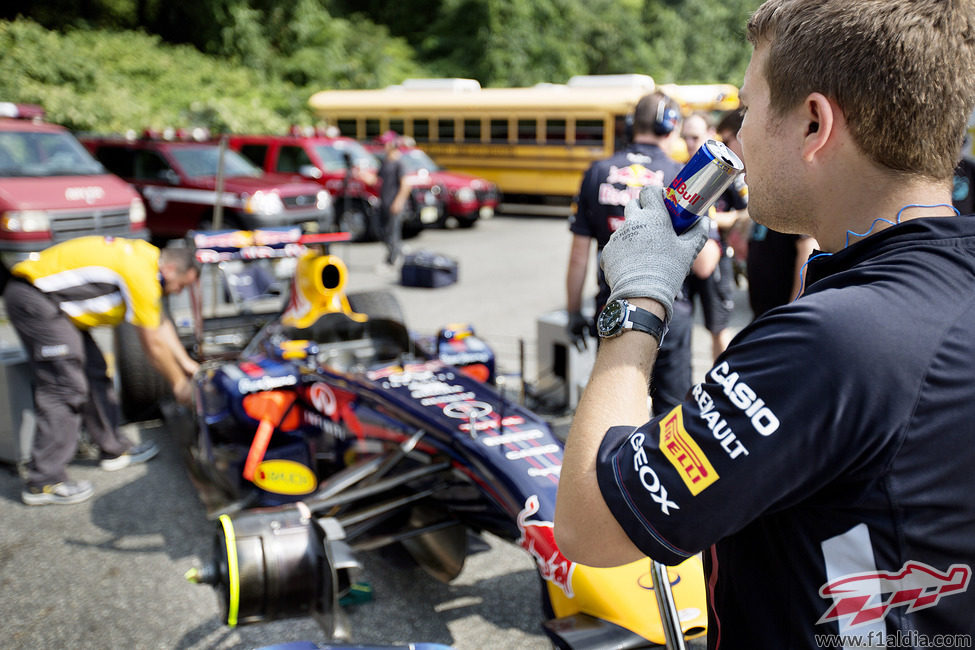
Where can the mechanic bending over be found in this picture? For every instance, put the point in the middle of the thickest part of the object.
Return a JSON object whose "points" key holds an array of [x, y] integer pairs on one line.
{"points": [[53, 299], [824, 467]]}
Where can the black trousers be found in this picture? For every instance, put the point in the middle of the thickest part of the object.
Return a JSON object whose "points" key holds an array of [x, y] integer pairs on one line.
{"points": [[71, 385]]}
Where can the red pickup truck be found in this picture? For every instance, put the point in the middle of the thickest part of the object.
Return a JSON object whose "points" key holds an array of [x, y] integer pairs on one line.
{"points": [[179, 182], [348, 171], [466, 198]]}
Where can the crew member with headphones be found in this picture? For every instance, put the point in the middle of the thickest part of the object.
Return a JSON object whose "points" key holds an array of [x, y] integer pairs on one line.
{"points": [[607, 187]]}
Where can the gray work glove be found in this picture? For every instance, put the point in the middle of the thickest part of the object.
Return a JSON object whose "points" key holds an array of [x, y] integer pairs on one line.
{"points": [[645, 258]]}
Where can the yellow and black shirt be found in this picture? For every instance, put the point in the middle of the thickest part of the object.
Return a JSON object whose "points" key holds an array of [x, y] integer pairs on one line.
{"points": [[99, 280]]}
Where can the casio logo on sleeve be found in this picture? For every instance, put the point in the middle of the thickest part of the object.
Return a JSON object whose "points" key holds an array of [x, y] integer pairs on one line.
{"points": [[746, 399]]}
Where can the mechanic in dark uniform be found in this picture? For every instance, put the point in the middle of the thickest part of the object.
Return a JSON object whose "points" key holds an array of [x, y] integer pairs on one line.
{"points": [[607, 186], [393, 194], [716, 291], [53, 300], [824, 465]]}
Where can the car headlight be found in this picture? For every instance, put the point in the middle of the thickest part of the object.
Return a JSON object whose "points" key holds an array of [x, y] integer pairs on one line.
{"points": [[466, 195], [137, 212], [25, 221], [323, 200], [264, 203]]}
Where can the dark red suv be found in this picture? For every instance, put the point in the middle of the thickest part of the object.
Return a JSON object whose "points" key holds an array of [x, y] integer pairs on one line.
{"points": [[178, 181]]}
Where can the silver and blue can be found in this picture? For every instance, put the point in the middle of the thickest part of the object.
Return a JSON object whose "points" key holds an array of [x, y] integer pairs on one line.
{"points": [[706, 175]]}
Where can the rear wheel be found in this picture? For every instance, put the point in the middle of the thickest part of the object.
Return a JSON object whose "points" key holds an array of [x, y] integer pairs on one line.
{"points": [[141, 387]]}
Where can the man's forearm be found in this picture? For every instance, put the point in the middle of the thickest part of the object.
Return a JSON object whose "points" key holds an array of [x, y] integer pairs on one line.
{"points": [[616, 395], [158, 349], [169, 334]]}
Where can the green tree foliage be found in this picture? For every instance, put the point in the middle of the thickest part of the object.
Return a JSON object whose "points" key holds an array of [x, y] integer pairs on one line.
{"points": [[109, 81], [512, 42], [113, 65]]}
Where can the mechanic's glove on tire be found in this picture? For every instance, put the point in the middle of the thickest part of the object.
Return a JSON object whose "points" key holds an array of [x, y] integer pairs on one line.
{"points": [[579, 328], [645, 258]]}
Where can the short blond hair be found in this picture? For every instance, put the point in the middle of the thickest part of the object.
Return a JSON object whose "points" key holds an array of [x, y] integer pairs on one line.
{"points": [[902, 71]]}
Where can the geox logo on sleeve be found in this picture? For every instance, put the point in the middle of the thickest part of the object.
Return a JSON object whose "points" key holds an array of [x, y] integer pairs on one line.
{"points": [[746, 399], [651, 483], [683, 453]]}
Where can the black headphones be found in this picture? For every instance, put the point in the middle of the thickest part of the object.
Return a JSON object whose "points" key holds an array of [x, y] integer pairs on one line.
{"points": [[666, 118]]}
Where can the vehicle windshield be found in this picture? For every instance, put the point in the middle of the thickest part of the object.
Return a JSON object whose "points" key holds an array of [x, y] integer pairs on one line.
{"points": [[415, 160], [197, 162], [333, 156], [31, 154]]}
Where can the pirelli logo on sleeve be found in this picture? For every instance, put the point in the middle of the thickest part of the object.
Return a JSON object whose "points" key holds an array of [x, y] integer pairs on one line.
{"points": [[683, 453]]}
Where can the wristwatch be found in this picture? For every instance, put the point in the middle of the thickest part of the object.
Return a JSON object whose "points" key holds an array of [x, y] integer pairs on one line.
{"points": [[619, 315]]}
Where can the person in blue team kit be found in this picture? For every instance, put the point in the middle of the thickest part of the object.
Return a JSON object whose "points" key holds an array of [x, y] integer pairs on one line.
{"points": [[824, 466], [607, 186]]}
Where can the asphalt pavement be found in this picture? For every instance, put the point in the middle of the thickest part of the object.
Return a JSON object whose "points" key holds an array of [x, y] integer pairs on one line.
{"points": [[109, 573]]}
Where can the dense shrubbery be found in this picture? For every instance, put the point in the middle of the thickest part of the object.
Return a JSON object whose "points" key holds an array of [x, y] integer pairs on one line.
{"points": [[250, 65]]}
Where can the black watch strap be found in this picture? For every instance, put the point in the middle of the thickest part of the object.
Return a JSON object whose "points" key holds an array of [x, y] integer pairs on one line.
{"points": [[642, 320]]}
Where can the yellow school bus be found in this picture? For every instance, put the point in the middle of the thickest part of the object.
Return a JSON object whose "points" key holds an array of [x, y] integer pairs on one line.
{"points": [[534, 143]]}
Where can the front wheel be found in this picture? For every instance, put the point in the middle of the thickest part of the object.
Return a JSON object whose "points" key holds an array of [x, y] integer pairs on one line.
{"points": [[355, 222]]}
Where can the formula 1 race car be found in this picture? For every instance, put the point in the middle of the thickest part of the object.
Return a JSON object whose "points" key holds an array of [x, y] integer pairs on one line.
{"points": [[336, 430]]}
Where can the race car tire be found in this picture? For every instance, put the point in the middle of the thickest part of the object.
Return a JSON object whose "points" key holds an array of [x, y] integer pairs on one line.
{"points": [[140, 386], [378, 303]]}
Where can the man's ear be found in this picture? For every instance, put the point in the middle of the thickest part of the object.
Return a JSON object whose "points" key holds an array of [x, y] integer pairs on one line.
{"points": [[820, 120]]}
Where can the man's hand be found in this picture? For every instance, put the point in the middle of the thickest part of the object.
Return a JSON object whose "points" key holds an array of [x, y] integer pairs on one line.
{"points": [[183, 392], [579, 328], [645, 258]]}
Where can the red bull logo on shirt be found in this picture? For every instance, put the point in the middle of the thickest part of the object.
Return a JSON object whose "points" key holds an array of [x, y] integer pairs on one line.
{"points": [[634, 177], [869, 597]]}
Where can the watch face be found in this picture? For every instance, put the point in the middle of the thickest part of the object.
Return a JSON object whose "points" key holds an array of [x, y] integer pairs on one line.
{"points": [[611, 318]]}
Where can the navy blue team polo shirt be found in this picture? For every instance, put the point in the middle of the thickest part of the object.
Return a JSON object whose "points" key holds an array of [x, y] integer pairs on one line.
{"points": [[825, 466]]}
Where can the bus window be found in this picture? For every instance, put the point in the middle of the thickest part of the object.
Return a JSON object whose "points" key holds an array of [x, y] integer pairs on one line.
{"points": [[527, 131], [472, 130], [347, 127], [421, 129], [397, 125], [623, 135], [589, 132], [554, 131], [445, 129], [499, 130], [372, 128]]}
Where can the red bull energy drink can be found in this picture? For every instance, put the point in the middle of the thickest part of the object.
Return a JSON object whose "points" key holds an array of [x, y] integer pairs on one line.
{"points": [[706, 175]]}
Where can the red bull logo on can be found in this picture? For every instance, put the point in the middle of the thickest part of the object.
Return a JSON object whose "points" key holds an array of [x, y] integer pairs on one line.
{"points": [[869, 597], [538, 538]]}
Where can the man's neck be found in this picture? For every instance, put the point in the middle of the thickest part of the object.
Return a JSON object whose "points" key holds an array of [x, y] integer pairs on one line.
{"points": [[875, 202]]}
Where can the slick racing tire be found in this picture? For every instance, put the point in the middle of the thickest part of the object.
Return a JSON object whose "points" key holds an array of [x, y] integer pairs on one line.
{"points": [[140, 386], [378, 304]]}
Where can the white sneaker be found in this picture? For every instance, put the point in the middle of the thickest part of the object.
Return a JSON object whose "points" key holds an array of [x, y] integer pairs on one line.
{"points": [[64, 493], [138, 454]]}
